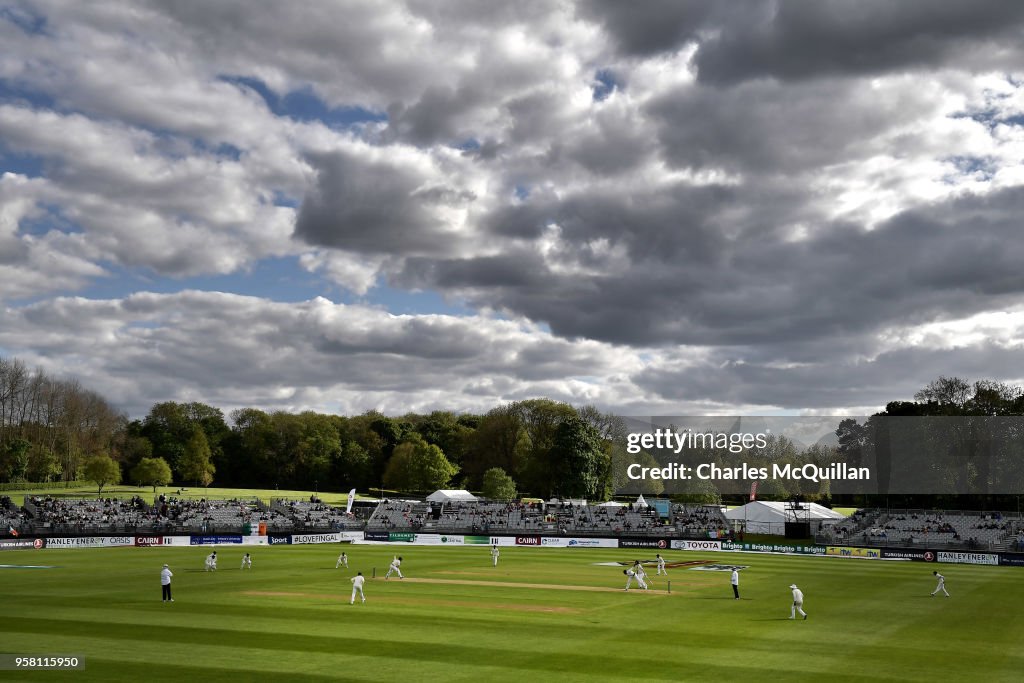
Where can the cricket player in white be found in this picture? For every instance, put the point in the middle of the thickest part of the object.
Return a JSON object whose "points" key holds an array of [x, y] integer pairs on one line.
{"points": [[247, 562], [630, 576], [342, 561], [941, 586], [357, 587], [211, 561], [661, 565], [165, 583], [494, 554], [798, 603], [395, 567], [735, 581], [641, 573]]}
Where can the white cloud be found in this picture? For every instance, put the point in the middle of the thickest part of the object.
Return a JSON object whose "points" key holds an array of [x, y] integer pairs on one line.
{"points": [[748, 222]]}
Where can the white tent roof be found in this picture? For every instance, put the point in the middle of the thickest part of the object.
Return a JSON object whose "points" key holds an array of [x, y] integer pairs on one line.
{"points": [[775, 512], [449, 495], [610, 504], [640, 502]]}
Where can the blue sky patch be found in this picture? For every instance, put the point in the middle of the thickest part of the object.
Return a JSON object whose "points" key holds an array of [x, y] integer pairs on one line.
{"points": [[304, 105], [32, 24], [604, 84], [22, 164]]}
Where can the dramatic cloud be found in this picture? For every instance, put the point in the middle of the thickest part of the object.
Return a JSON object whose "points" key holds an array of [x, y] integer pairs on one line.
{"points": [[686, 206]]}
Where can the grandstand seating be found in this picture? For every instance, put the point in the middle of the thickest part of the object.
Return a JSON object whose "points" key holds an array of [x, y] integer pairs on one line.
{"points": [[166, 515], [929, 529], [315, 516], [564, 518], [12, 519], [873, 527]]}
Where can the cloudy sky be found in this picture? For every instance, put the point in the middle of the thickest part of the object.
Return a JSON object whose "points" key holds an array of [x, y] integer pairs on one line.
{"points": [[674, 207]]}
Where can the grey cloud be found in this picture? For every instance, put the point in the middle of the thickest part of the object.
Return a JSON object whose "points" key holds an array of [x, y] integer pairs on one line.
{"points": [[374, 206], [800, 39], [662, 218], [434, 117], [658, 25], [765, 126], [656, 224], [813, 38], [138, 343], [614, 145], [893, 375], [509, 270], [933, 263]]}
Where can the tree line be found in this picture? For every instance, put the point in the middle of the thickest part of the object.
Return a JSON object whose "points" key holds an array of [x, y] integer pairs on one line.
{"points": [[49, 426], [56, 430]]}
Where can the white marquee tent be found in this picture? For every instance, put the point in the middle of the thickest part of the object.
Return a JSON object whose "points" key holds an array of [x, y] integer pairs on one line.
{"points": [[451, 496], [764, 517]]}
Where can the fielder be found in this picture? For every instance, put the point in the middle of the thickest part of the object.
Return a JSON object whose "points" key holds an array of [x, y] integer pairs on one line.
{"points": [[798, 603], [641, 573], [735, 581], [494, 554], [395, 567], [661, 565], [342, 561], [246, 562], [211, 561], [630, 577], [941, 586], [357, 587]]}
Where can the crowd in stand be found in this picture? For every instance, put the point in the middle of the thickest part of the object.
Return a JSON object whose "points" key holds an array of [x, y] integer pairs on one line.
{"points": [[170, 514], [971, 531], [166, 514], [316, 515], [565, 518], [693, 520], [83, 514], [11, 517]]}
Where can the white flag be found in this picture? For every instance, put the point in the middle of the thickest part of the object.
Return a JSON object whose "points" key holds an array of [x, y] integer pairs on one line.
{"points": [[351, 499]]}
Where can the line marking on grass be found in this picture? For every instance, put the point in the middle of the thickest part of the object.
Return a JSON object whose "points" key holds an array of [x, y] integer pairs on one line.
{"points": [[482, 605], [292, 594], [422, 601], [509, 584]]}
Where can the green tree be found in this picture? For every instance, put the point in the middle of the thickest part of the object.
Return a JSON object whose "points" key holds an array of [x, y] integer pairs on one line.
{"points": [[773, 489], [497, 441], [853, 437], [416, 465], [622, 484], [578, 460], [253, 446], [101, 470], [498, 485], [152, 472], [540, 420], [353, 466], [319, 444], [447, 432], [135, 449], [43, 465], [167, 428], [195, 464], [699, 492], [14, 457]]}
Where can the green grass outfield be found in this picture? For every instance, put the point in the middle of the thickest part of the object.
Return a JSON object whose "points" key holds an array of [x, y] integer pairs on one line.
{"points": [[543, 614]]}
